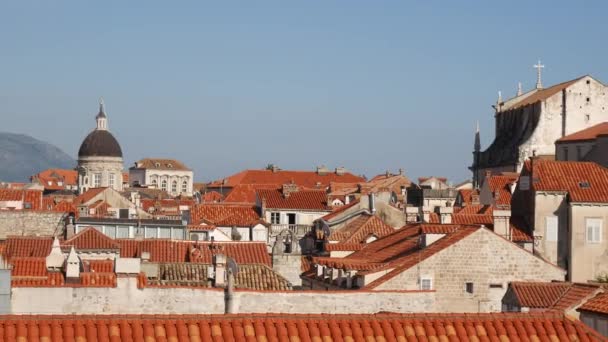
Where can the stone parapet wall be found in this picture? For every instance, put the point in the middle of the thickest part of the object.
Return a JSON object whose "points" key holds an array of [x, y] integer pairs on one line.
{"points": [[33, 223], [126, 298]]}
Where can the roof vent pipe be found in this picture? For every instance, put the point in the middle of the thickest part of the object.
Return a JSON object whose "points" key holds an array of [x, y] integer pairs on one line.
{"points": [[372, 203]]}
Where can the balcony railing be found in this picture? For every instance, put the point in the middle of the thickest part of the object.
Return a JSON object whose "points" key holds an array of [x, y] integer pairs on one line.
{"points": [[297, 229], [435, 193]]}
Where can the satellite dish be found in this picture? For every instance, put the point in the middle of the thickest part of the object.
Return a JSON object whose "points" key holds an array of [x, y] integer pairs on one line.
{"points": [[232, 266]]}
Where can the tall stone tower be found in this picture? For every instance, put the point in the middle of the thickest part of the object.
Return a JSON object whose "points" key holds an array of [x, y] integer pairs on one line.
{"points": [[100, 157], [530, 123]]}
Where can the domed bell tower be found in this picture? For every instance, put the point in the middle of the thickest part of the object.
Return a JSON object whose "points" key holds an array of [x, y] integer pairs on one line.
{"points": [[100, 161]]}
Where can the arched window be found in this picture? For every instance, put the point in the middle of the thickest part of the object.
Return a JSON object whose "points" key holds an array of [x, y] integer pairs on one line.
{"points": [[163, 185], [184, 186], [86, 180], [174, 187], [154, 183]]}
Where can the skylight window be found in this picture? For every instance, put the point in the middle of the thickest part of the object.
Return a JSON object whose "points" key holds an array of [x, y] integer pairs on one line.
{"points": [[584, 185]]}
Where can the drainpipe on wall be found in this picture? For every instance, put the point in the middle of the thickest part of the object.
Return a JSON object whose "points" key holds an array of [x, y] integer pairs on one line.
{"points": [[229, 293]]}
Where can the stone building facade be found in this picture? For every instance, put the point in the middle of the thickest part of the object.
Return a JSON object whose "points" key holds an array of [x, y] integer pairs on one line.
{"points": [[100, 158], [168, 175], [530, 123], [473, 274]]}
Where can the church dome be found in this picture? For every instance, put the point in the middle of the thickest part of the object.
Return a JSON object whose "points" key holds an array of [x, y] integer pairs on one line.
{"points": [[100, 143]]}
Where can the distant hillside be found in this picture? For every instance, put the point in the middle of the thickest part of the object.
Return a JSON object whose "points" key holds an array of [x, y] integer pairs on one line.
{"points": [[22, 156]]}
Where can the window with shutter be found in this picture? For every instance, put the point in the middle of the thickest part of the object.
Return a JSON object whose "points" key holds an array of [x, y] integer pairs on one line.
{"points": [[594, 230]]}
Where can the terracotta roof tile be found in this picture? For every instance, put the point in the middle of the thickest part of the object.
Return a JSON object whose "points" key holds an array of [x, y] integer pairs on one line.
{"points": [[597, 304], [160, 164], [586, 134], [301, 199], [584, 181], [499, 185], [33, 197], [339, 210], [343, 247], [100, 266], [283, 327], [27, 246], [308, 179], [212, 196], [360, 229], [250, 276], [540, 95], [246, 193], [90, 238], [88, 195], [538, 295], [555, 295], [55, 177], [226, 215]]}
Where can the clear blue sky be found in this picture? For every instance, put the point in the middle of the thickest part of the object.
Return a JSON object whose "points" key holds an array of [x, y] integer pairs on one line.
{"points": [[223, 86]]}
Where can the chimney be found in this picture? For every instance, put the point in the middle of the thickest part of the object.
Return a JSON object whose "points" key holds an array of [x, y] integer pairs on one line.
{"points": [[372, 203], [73, 265], [425, 214], [219, 261], [145, 256], [322, 170], [290, 188], [502, 225], [70, 228], [274, 168], [474, 198], [340, 171], [229, 294], [446, 214], [411, 214], [56, 258]]}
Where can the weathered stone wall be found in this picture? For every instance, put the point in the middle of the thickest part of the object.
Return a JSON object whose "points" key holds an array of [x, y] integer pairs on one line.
{"points": [[27, 222], [289, 266], [483, 258], [126, 298], [588, 260]]}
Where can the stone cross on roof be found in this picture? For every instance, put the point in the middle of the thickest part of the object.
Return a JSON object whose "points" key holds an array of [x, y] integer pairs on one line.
{"points": [[538, 66]]}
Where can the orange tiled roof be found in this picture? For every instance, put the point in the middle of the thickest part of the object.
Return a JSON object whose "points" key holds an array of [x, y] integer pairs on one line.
{"points": [[212, 196], [34, 197], [188, 251], [160, 164], [87, 196], [572, 177], [330, 247], [500, 185], [597, 304], [467, 195], [339, 210], [542, 94], [587, 134], [293, 327], [307, 179], [250, 276], [27, 246], [538, 295], [555, 295], [246, 193], [100, 266], [226, 215], [299, 200], [54, 176], [575, 295], [90, 238], [360, 229]]}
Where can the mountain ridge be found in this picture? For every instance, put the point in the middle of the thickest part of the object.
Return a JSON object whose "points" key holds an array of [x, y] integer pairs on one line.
{"points": [[22, 156]]}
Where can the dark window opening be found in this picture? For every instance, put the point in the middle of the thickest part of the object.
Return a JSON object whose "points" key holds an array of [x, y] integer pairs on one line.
{"points": [[469, 287]]}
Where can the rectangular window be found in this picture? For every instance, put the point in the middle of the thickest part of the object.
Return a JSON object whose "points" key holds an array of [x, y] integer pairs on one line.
{"points": [[468, 286], [177, 234], [275, 218], [426, 283], [551, 224], [165, 233], [594, 230], [110, 231], [97, 180], [122, 232], [111, 180], [565, 153]]}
